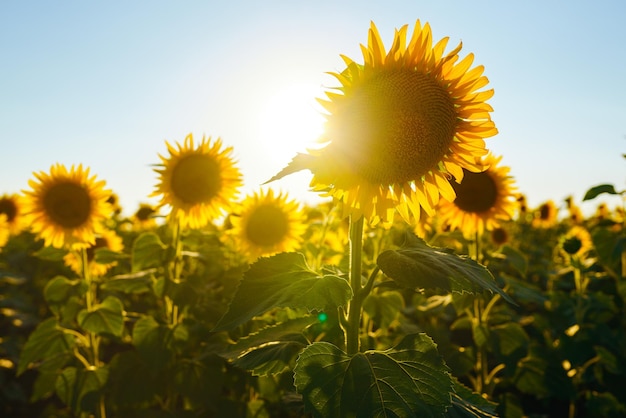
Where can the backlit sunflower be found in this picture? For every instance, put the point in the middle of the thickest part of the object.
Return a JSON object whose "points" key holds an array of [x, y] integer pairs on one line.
{"points": [[105, 239], [482, 199], [576, 242], [66, 207], [546, 215], [268, 224], [197, 182], [399, 126], [11, 206]]}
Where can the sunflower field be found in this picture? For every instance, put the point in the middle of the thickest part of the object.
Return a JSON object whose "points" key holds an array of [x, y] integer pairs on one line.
{"points": [[424, 286]]}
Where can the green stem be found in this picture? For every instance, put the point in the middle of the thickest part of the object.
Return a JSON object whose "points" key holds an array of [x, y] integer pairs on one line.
{"points": [[354, 310], [174, 273]]}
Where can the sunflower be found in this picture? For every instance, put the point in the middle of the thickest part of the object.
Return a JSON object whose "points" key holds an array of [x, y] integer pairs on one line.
{"points": [[11, 206], [576, 242], [197, 182], [546, 215], [66, 207], [399, 126], [144, 217], [105, 239], [482, 199], [268, 224], [4, 230]]}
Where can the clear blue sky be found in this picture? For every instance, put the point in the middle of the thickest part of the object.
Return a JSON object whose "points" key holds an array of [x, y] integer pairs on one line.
{"points": [[106, 83]]}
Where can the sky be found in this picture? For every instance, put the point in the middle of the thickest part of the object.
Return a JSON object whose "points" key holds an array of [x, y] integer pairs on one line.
{"points": [[105, 84]]}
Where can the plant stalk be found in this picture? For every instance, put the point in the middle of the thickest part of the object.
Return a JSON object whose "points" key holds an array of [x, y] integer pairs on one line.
{"points": [[354, 310]]}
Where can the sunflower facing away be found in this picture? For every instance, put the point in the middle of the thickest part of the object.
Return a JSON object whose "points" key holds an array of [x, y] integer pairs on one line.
{"points": [[482, 199], [197, 182], [66, 207], [105, 239], [399, 126], [268, 224], [12, 207]]}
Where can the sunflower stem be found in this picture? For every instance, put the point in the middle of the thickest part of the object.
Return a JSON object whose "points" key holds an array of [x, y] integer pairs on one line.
{"points": [[354, 310]]}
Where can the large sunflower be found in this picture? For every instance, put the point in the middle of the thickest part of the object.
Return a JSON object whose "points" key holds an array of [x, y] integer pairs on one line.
{"points": [[106, 239], [198, 182], [11, 206], [482, 199], [66, 207], [268, 224], [399, 126]]}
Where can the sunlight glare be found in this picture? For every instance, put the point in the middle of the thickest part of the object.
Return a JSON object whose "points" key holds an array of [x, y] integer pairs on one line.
{"points": [[291, 121]]}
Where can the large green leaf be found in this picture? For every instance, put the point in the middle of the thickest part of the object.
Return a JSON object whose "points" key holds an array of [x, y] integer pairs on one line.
{"points": [[106, 318], [283, 280], [598, 190], [468, 404], [133, 283], [80, 389], [47, 343], [272, 358], [60, 288], [409, 380], [148, 251], [417, 265]]}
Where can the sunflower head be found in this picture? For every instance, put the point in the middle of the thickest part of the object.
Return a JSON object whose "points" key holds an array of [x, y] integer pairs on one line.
{"points": [[11, 205], [144, 217], [546, 215], [482, 199], [268, 224], [197, 182], [399, 126], [576, 242], [4, 230], [66, 207], [105, 239]]}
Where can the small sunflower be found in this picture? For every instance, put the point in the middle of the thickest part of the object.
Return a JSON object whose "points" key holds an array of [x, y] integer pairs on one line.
{"points": [[144, 217], [11, 205], [105, 239], [546, 215], [576, 242], [482, 199], [4, 230], [399, 126], [66, 207], [197, 182], [268, 224]]}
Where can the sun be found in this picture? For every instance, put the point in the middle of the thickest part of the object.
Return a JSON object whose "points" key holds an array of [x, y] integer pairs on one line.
{"points": [[291, 120]]}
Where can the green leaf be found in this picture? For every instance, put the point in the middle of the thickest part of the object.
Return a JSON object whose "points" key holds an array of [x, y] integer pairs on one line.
{"points": [[148, 251], [104, 255], [409, 380], [271, 358], [283, 280], [106, 318], [384, 307], [80, 388], [47, 343], [509, 337], [516, 259], [155, 342], [133, 283], [59, 289], [50, 253], [598, 190], [418, 265], [468, 404]]}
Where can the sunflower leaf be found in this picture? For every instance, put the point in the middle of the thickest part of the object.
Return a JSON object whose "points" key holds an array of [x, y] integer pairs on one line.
{"points": [[418, 265], [334, 384], [47, 343], [466, 403], [106, 318], [298, 163], [148, 251], [283, 280], [598, 190]]}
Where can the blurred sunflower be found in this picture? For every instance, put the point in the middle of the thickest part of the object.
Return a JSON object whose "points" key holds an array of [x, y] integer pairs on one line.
{"points": [[105, 239], [482, 199], [4, 230], [399, 126], [114, 203], [66, 207], [197, 182], [576, 242], [268, 224], [546, 215], [11, 205], [575, 214], [144, 217]]}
